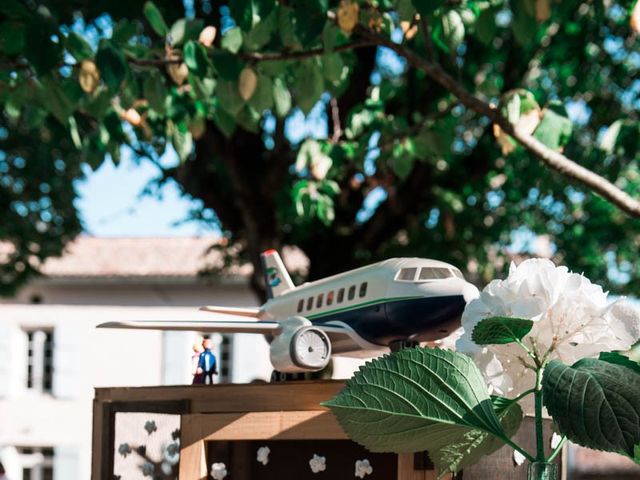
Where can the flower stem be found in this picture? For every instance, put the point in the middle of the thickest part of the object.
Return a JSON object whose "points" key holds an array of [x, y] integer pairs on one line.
{"points": [[557, 450], [538, 411], [524, 394]]}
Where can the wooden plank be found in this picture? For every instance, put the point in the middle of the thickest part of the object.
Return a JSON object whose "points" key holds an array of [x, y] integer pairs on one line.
{"points": [[299, 395], [318, 425]]}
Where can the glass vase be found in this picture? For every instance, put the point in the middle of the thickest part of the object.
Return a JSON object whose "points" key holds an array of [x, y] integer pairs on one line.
{"points": [[542, 471]]}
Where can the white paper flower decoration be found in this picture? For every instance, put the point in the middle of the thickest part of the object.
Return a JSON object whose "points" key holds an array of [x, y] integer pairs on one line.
{"points": [[572, 320], [518, 458], [318, 463], [555, 440], [263, 455], [218, 471], [363, 467]]}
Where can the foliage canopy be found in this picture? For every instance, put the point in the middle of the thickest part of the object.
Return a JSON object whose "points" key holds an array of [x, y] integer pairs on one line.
{"points": [[410, 157]]}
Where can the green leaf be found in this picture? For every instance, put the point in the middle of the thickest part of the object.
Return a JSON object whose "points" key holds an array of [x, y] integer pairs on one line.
{"points": [[112, 65], [406, 401], [595, 403], [55, 100], [427, 7], [524, 24], [610, 137], [232, 40], [308, 85], [620, 359], [453, 30], [155, 19], [124, 30], [281, 98], [261, 33], [242, 13], [12, 37], [202, 88], [229, 97], [309, 18], [500, 330], [182, 141], [195, 57], [262, 98], [486, 26], [225, 122], [78, 47], [154, 90], [464, 447], [332, 67], [555, 128], [41, 51]]}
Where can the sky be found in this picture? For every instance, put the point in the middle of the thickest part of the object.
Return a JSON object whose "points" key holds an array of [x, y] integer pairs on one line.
{"points": [[111, 201]]}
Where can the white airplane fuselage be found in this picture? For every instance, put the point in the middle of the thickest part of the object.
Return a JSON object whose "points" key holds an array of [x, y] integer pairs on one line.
{"points": [[380, 303]]}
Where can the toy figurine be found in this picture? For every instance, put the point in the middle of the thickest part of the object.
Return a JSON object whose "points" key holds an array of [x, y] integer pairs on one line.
{"points": [[195, 362], [207, 364]]}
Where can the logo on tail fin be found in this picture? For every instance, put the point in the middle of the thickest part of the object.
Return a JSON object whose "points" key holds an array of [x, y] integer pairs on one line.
{"points": [[276, 276], [272, 277]]}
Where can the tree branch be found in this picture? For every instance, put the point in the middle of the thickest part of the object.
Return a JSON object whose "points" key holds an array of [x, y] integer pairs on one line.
{"points": [[263, 57], [551, 158]]}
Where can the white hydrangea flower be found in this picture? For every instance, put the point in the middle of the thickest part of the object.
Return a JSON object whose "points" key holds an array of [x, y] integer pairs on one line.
{"points": [[218, 471], [263, 455], [363, 468], [318, 463], [572, 320]]}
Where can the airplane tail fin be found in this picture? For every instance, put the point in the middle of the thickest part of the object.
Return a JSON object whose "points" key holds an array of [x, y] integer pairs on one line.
{"points": [[276, 276]]}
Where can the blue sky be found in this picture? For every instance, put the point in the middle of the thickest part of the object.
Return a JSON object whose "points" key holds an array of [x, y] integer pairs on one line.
{"points": [[111, 203]]}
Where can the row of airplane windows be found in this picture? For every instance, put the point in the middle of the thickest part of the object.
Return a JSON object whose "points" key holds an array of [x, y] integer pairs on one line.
{"points": [[331, 296]]}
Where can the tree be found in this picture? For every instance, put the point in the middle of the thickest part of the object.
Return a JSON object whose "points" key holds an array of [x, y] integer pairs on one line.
{"points": [[447, 127]]}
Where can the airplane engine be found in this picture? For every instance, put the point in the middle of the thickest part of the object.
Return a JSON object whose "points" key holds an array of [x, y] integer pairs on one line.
{"points": [[300, 347]]}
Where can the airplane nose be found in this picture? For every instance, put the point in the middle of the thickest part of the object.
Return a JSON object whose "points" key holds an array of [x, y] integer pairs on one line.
{"points": [[470, 292]]}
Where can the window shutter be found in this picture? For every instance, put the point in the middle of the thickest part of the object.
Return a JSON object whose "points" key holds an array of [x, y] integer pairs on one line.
{"points": [[66, 361], [13, 359], [66, 463], [5, 358]]}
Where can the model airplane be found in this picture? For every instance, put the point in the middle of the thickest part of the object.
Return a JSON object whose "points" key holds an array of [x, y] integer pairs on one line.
{"points": [[361, 313]]}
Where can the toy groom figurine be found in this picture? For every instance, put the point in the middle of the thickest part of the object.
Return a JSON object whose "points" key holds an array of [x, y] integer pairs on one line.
{"points": [[207, 363]]}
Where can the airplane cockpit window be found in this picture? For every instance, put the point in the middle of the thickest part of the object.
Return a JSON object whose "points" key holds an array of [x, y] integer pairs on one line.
{"points": [[340, 295], [319, 301], [300, 305], [309, 303], [330, 298], [432, 273], [363, 289], [407, 274], [352, 292]]}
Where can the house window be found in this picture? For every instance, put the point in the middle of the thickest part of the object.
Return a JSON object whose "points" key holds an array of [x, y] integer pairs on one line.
{"points": [[224, 366], [40, 360], [319, 301], [309, 303], [330, 298], [300, 305], [37, 463], [363, 289], [340, 295], [352, 292]]}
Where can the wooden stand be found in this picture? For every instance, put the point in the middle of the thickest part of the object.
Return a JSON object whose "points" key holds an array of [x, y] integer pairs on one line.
{"points": [[231, 421]]}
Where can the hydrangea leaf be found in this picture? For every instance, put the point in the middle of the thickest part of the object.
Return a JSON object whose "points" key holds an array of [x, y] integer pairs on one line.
{"points": [[472, 445], [595, 403], [414, 400], [620, 359], [195, 56], [112, 65], [500, 330]]}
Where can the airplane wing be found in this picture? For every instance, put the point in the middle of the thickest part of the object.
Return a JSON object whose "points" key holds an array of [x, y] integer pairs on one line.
{"points": [[237, 311], [196, 326]]}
